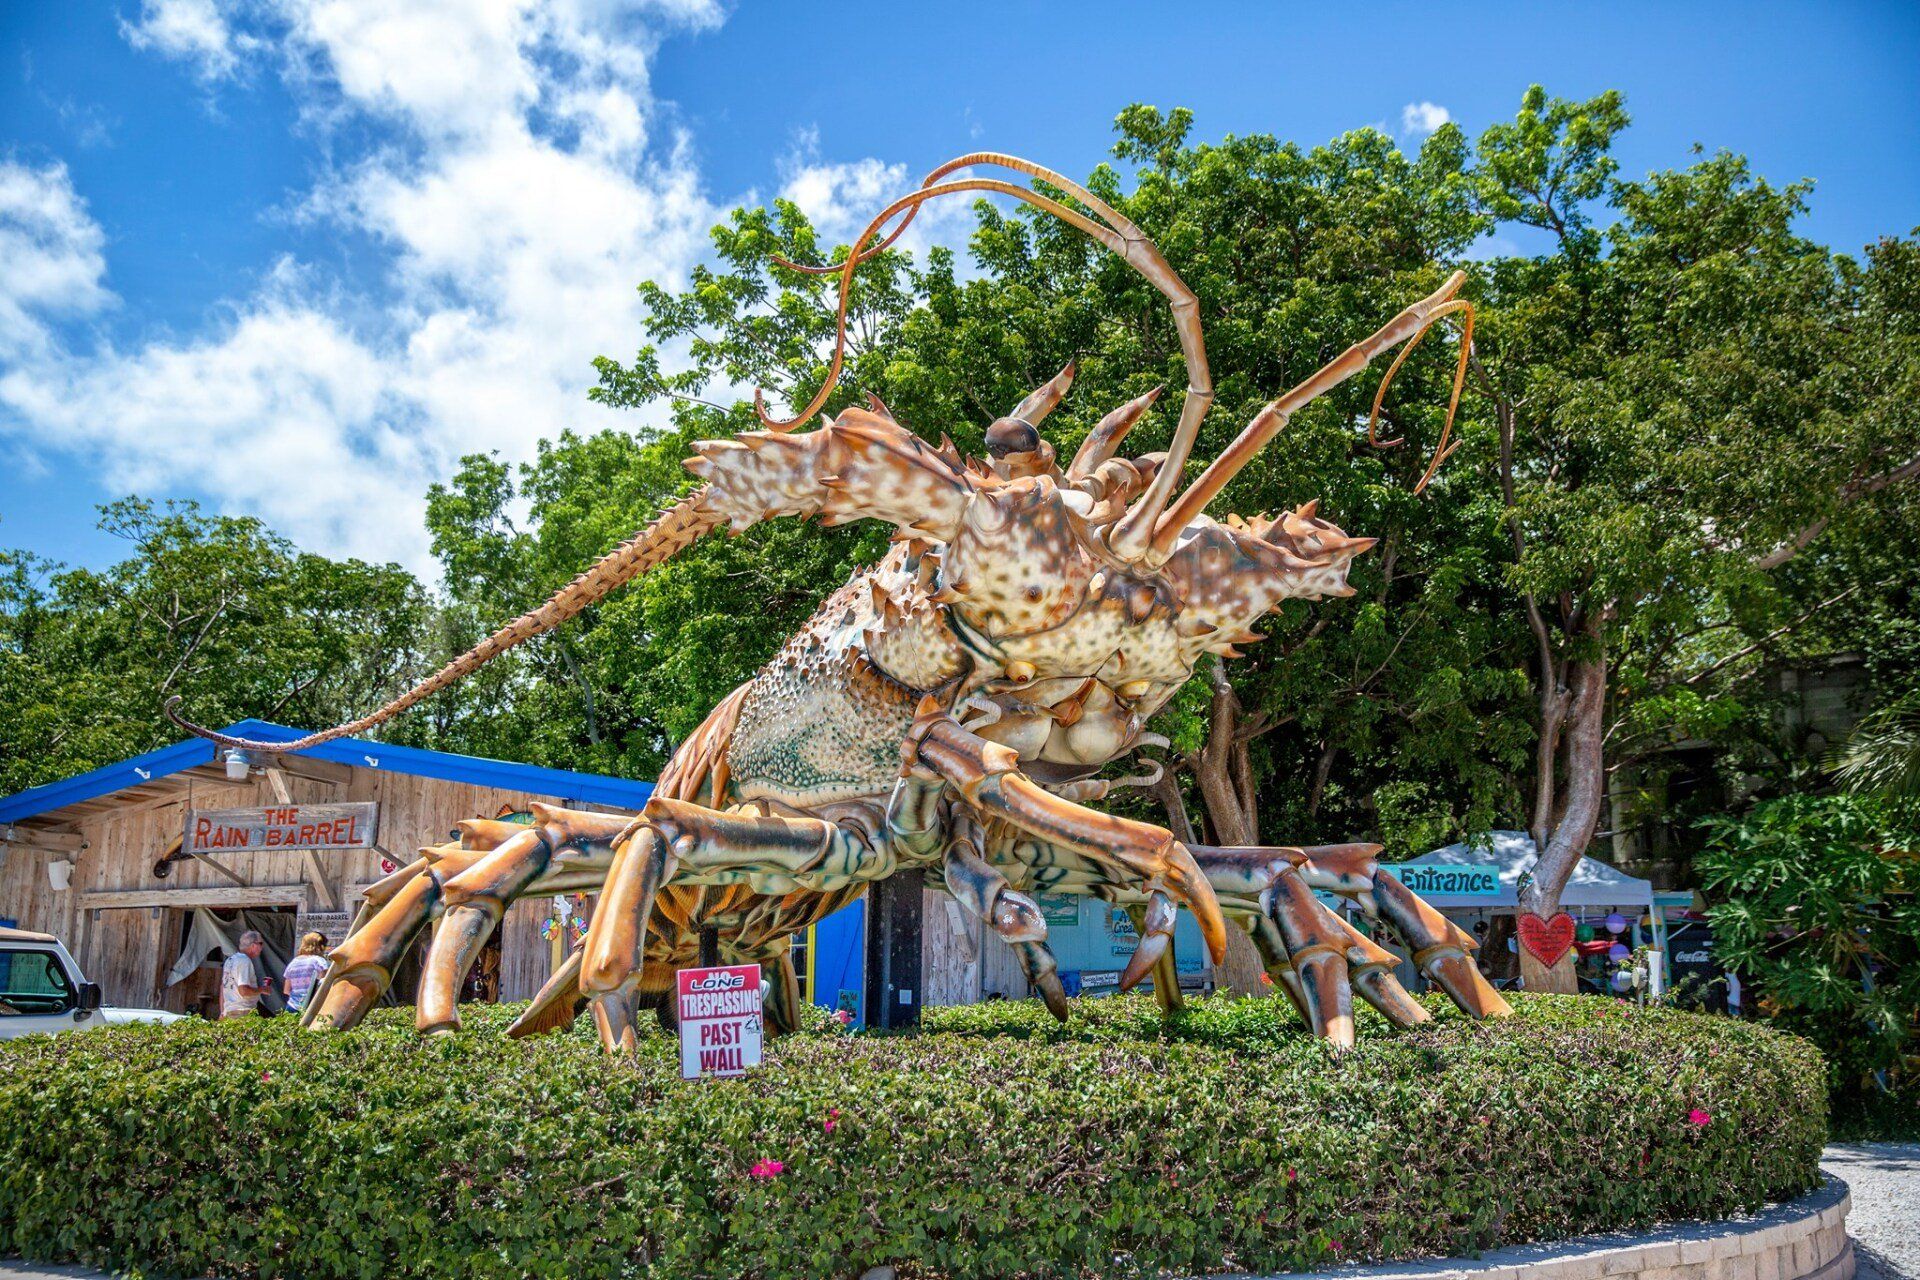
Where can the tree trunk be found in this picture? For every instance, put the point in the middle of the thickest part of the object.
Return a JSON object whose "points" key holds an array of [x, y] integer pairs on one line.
{"points": [[1225, 774], [1572, 807]]}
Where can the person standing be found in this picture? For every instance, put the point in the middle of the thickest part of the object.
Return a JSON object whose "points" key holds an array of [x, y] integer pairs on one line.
{"points": [[304, 972], [241, 983]]}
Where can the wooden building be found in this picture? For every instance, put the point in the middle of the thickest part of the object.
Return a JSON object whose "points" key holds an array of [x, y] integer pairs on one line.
{"points": [[97, 859], [137, 866]]}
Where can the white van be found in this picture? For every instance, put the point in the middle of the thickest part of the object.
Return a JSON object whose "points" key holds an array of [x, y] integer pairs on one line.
{"points": [[41, 990]]}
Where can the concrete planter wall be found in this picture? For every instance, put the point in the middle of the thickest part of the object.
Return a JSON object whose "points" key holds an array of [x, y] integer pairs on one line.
{"points": [[1804, 1239]]}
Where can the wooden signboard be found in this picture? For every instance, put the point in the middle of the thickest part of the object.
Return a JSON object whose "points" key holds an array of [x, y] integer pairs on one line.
{"points": [[286, 826], [334, 924]]}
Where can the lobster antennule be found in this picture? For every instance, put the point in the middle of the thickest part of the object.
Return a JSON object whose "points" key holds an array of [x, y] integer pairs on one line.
{"points": [[1105, 439], [1410, 324], [1045, 398], [1441, 449]]}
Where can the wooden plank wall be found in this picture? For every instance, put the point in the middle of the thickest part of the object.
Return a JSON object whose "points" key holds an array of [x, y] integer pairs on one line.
{"points": [[26, 895], [124, 950], [961, 960]]}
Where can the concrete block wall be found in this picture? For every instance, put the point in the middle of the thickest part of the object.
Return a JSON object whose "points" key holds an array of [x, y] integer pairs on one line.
{"points": [[1804, 1239]]}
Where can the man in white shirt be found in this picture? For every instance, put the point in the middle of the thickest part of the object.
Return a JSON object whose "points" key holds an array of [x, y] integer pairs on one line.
{"points": [[240, 977]]}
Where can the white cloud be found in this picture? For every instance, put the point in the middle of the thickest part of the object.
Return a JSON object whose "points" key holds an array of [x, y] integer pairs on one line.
{"points": [[193, 31], [1423, 117], [840, 199], [519, 201], [520, 178], [53, 251], [283, 414]]}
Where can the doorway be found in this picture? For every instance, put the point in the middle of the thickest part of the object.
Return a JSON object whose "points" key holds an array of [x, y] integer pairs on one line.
{"points": [[201, 940]]}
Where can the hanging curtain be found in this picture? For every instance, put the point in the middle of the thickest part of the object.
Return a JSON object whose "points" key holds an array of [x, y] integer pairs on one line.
{"points": [[207, 932]]}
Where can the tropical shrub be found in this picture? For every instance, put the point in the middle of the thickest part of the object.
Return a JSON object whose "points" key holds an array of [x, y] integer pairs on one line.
{"points": [[990, 1144], [1815, 909]]}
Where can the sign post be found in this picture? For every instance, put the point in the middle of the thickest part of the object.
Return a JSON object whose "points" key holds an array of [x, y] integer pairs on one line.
{"points": [[720, 1020]]}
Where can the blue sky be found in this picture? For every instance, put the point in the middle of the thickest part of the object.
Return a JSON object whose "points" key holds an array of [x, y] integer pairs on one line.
{"points": [[293, 257]]}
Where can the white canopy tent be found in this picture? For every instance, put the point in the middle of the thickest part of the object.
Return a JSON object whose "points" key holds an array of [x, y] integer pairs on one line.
{"points": [[1511, 853], [1593, 891]]}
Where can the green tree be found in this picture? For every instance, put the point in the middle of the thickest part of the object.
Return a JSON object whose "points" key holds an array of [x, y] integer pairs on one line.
{"points": [[1815, 909], [1685, 403], [216, 608]]}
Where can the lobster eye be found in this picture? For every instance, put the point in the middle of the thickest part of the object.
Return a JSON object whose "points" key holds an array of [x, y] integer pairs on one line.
{"points": [[1010, 435]]}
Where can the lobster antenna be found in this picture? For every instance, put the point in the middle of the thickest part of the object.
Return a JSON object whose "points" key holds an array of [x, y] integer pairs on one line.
{"points": [[670, 532], [1131, 538], [1411, 323]]}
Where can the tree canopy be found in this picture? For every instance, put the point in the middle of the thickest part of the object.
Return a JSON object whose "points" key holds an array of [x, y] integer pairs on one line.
{"points": [[1688, 457]]}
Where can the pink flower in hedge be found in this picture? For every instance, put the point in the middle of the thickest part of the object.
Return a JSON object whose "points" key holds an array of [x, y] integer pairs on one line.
{"points": [[767, 1169], [1292, 1176], [832, 1121], [1334, 1245], [1698, 1118]]}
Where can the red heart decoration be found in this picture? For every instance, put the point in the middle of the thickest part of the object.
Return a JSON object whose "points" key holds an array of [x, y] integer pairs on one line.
{"points": [[1546, 940]]}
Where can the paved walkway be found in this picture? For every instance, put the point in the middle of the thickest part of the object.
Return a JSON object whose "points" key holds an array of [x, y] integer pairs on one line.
{"points": [[1885, 1222]]}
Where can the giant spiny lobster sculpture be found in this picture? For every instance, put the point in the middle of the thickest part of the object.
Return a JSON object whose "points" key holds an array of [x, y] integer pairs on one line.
{"points": [[948, 708]]}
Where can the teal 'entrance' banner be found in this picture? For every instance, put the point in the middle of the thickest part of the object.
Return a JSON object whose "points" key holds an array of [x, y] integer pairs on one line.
{"points": [[1467, 881]]}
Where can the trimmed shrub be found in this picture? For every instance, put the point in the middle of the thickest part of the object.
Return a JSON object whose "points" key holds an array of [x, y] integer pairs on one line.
{"points": [[993, 1143]]}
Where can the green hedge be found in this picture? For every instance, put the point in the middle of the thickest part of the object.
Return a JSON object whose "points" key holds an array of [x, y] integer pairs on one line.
{"points": [[993, 1144]]}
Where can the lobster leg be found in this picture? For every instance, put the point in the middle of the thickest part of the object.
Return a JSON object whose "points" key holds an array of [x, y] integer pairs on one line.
{"points": [[1166, 974], [1155, 926], [478, 897], [982, 890], [1043, 974], [1317, 951], [1441, 949], [361, 968], [1370, 969], [1241, 873], [1273, 957], [392, 913], [476, 900], [674, 839], [987, 775]]}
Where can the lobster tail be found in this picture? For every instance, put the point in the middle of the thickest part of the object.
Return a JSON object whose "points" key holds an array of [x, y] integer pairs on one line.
{"points": [[671, 532]]}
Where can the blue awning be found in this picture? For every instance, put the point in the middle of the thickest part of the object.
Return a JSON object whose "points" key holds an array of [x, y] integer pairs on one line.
{"points": [[361, 753]]}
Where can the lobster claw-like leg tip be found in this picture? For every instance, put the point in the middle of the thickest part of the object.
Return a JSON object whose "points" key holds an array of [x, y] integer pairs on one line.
{"points": [[1457, 975], [1323, 976], [1200, 898], [1378, 988], [1141, 963]]}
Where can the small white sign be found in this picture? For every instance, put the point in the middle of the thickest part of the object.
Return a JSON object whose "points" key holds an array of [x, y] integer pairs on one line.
{"points": [[720, 1020]]}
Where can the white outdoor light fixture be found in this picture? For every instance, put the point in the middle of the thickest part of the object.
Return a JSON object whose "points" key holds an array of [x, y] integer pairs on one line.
{"points": [[238, 762], [60, 873]]}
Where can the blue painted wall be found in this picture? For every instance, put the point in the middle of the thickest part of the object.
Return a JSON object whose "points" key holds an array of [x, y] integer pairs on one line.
{"points": [[839, 953]]}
